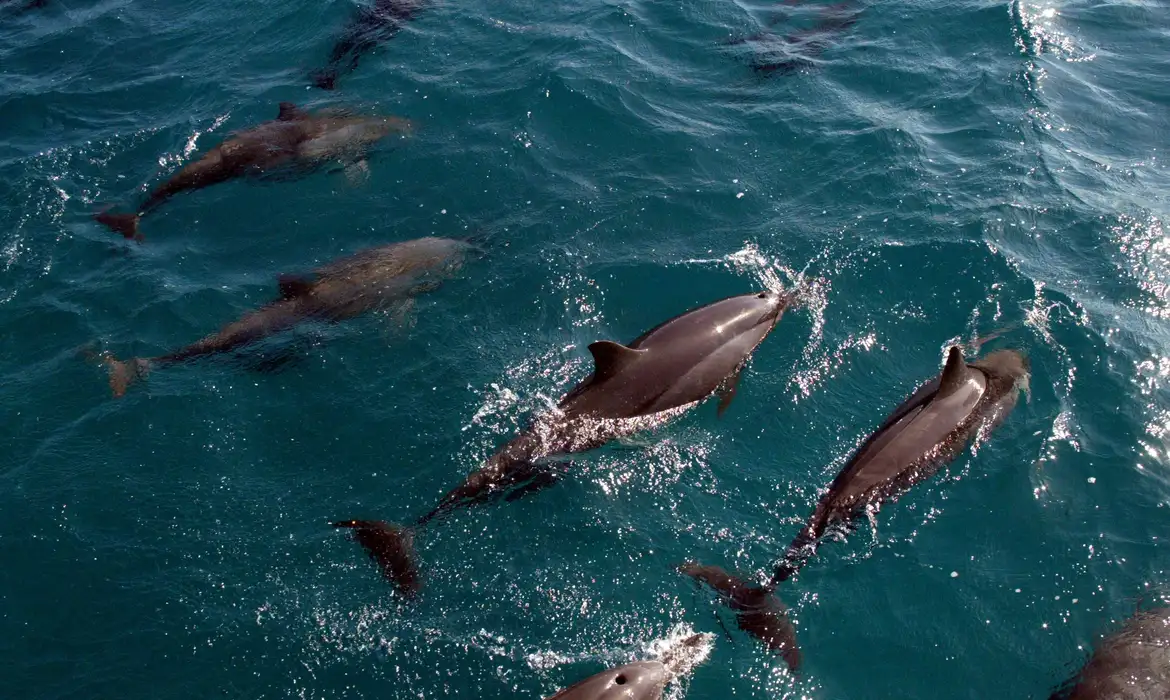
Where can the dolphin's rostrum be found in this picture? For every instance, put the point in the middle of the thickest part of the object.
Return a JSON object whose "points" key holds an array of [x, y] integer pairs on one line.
{"points": [[926, 431], [365, 281], [296, 141], [660, 374]]}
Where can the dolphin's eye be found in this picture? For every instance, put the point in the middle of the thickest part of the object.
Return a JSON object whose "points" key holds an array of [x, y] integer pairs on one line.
{"points": [[620, 680]]}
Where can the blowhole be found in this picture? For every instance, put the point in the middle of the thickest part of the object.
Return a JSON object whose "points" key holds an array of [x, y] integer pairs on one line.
{"points": [[762, 295], [620, 680]]}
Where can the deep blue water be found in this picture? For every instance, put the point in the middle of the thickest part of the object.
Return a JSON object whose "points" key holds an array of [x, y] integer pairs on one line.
{"points": [[945, 171]]}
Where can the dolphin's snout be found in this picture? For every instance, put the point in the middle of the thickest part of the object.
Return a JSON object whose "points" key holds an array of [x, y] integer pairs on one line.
{"points": [[773, 306]]}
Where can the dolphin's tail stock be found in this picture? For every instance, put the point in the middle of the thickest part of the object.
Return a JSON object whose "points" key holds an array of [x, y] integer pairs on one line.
{"points": [[392, 546], [326, 78], [125, 224], [123, 373], [803, 546]]}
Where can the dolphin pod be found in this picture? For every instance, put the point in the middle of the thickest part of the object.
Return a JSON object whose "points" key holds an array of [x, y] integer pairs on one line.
{"points": [[345, 288], [1133, 663], [641, 680], [296, 141], [635, 387], [666, 370], [926, 431]]}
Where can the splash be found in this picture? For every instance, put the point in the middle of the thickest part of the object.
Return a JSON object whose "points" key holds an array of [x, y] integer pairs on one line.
{"points": [[1146, 248], [1039, 32], [169, 160]]}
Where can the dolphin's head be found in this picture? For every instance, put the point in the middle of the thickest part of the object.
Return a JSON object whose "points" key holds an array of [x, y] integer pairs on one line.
{"points": [[643, 680], [1007, 370], [342, 137], [755, 313], [1010, 366]]}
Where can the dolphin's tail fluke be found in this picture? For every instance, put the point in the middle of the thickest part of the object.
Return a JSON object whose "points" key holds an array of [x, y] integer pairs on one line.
{"points": [[123, 373], [125, 224], [757, 609], [392, 546]]}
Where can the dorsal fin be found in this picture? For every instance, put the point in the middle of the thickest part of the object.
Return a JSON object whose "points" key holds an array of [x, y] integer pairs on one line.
{"points": [[609, 358], [289, 112], [954, 374], [293, 286]]}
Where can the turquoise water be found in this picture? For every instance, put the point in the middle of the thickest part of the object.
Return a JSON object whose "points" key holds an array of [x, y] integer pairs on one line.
{"points": [[944, 172]]}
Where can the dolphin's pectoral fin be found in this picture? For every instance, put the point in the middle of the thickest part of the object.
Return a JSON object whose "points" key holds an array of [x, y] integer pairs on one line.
{"points": [[357, 173], [293, 286], [727, 390], [609, 358], [954, 374], [289, 111]]}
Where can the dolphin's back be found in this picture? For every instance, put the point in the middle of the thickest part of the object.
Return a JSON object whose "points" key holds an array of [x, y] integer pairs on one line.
{"points": [[919, 427], [1131, 664]]}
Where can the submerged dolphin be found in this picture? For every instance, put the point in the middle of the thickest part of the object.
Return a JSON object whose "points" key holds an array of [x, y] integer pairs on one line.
{"points": [[928, 430], [642, 680], [372, 26], [662, 373], [342, 289], [1133, 663], [798, 48], [295, 141]]}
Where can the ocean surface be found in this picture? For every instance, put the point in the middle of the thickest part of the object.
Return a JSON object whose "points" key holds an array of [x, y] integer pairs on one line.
{"points": [[985, 173]]}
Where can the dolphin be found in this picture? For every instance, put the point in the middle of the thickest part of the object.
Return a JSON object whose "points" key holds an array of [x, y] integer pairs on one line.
{"points": [[926, 431], [345, 288], [296, 141], [801, 46], [662, 373], [1133, 663], [641, 680], [372, 26]]}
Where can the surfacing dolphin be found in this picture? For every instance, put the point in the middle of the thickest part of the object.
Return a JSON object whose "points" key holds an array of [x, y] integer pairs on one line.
{"points": [[372, 26], [641, 680], [366, 281], [1133, 663], [664, 372], [295, 142], [926, 431]]}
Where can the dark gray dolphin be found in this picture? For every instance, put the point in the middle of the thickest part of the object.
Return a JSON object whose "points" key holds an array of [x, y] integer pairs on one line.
{"points": [[928, 430], [1133, 663], [372, 26], [340, 290], [642, 680], [295, 142], [789, 53], [667, 370]]}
